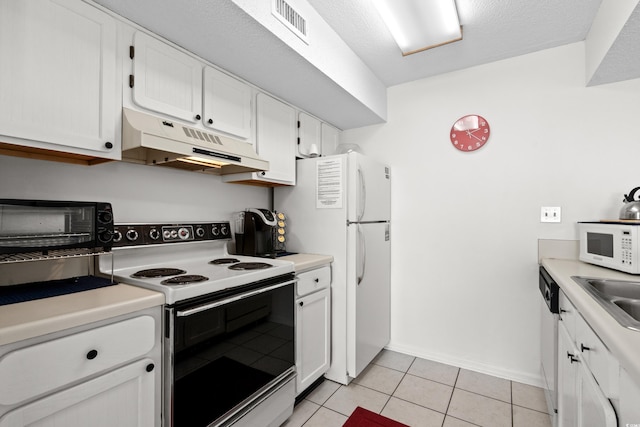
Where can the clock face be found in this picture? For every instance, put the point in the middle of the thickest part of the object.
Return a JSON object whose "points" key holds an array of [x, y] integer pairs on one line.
{"points": [[470, 133]]}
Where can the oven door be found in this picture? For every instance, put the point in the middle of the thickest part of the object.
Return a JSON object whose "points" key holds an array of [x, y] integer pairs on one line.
{"points": [[227, 353]]}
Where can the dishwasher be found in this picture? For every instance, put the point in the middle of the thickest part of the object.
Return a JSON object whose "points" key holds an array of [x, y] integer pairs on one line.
{"points": [[549, 315]]}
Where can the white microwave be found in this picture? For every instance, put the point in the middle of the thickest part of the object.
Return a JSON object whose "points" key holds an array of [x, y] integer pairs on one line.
{"points": [[611, 244]]}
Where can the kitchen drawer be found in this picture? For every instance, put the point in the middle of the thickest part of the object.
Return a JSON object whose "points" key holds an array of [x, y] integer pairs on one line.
{"points": [[313, 280], [597, 357], [31, 371], [568, 314]]}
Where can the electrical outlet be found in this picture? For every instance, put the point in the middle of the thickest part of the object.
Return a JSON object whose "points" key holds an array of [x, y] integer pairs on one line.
{"points": [[550, 214]]}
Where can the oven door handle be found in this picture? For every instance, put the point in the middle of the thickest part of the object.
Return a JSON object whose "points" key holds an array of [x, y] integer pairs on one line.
{"points": [[209, 306]]}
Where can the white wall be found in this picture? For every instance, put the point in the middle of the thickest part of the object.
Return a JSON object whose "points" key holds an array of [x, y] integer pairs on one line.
{"points": [[465, 225], [138, 193]]}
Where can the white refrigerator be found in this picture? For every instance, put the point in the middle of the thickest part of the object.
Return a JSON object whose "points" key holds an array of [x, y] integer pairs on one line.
{"points": [[340, 206]]}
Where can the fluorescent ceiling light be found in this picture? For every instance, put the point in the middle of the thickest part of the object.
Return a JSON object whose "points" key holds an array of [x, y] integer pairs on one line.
{"points": [[418, 25]]}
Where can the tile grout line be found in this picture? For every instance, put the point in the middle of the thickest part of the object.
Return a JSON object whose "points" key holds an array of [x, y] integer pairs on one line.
{"points": [[511, 390], [453, 389], [404, 374]]}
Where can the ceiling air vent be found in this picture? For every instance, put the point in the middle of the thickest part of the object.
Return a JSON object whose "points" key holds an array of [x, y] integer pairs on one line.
{"points": [[203, 136], [290, 18]]}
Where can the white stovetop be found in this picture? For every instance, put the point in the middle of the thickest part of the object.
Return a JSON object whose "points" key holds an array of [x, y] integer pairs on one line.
{"points": [[194, 258]]}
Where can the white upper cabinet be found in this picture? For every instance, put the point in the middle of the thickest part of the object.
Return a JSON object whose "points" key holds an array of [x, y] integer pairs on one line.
{"points": [[276, 138], [58, 82], [315, 136], [330, 140], [309, 134], [275, 142], [166, 80], [227, 104]]}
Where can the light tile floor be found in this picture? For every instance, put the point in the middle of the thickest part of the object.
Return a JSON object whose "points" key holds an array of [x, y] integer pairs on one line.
{"points": [[422, 393]]}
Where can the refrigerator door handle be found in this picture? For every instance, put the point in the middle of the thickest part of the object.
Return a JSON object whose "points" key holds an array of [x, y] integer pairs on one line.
{"points": [[362, 200], [361, 255]]}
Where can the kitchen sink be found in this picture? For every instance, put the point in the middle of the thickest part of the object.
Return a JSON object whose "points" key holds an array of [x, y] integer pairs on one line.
{"points": [[620, 298]]}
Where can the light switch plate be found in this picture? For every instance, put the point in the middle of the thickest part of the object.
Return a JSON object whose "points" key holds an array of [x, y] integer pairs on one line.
{"points": [[550, 214]]}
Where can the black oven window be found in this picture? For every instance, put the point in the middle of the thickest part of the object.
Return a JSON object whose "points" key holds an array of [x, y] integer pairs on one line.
{"points": [[226, 354], [600, 244]]}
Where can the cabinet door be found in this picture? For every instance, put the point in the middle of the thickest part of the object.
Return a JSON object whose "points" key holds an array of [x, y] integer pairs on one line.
{"points": [[330, 140], [166, 80], [567, 391], [602, 364], [58, 81], [312, 338], [309, 133], [276, 139], [123, 398], [227, 104], [594, 409]]}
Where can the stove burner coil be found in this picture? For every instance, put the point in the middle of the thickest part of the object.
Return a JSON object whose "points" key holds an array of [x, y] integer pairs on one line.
{"points": [[184, 280], [250, 266], [220, 261], [157, 272]]}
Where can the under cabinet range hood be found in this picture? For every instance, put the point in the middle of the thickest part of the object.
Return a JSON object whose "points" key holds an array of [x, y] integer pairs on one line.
{"points": [[154, 140]]}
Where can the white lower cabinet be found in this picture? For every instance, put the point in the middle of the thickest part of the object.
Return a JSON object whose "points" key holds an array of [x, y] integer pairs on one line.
{"points": [[313, 331], [581, 399], [123, 398], [102, 375]]}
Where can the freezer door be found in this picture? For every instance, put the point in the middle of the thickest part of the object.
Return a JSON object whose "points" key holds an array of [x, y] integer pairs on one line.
{"points": [[368, 189], [368, 293]]}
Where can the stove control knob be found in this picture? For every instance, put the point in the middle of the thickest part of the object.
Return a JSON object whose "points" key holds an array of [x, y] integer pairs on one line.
{"points": [[117, 236], [105, 236], [224, 230], [215, 230], [132, 235], [105, 217], [173, 234], [183, 233], [200, 232], [154, 234]]}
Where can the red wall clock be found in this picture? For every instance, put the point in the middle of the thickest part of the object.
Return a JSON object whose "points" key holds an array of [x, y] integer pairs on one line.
{"points": [[470, 132]]}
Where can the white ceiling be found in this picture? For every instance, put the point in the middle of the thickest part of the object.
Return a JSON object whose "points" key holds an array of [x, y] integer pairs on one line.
{"points": [[225, 34], [492, 30]]}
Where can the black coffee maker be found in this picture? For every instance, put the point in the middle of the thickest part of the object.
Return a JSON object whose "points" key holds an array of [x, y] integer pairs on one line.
{"points": [[257, 237]]}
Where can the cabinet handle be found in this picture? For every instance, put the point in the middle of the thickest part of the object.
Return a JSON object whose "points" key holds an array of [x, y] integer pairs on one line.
{"points": [[92, 354], [210, 121], [301, 303], [198, 117], [583, 348], [563, 311], [572, 357], [150, 367], [316, 280], [108, 145]]}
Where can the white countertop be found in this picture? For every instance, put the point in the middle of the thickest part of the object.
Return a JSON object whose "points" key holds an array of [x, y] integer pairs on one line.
{"points": [[39, 317], [35, 318], [306, 262], [623, 343]]}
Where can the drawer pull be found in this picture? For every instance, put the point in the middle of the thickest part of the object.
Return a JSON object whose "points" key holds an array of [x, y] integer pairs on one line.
{"points": [[316, 280], [150, 367], [584, 348], [572, 358], [92, 354], [301, 303]]}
